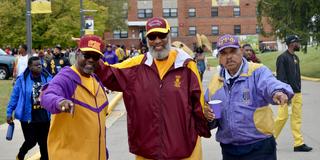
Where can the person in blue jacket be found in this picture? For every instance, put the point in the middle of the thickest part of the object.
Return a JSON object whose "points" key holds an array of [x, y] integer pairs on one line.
{"points": [[245, 128], [24, 101]]}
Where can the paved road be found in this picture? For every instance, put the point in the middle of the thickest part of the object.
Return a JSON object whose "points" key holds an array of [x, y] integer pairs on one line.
{"points": [[118, 144]]}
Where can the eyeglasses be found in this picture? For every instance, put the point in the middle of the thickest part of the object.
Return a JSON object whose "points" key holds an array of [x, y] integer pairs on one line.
{"points": [[95, 57], [159, 35]]}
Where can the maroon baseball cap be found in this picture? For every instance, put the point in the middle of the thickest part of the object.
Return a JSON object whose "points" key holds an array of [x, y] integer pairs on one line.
{"points": [[91, 43], [157, 24]]}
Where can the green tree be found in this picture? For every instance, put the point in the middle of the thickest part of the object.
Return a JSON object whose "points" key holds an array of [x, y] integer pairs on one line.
{"points": [[50, 29], [299, 17]]}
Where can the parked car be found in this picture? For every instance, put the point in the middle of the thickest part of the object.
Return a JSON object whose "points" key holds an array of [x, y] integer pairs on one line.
{"points": [[6, 65]]}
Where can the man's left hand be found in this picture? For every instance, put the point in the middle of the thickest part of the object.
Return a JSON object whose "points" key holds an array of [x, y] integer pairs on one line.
{"points": [[280, 98]]}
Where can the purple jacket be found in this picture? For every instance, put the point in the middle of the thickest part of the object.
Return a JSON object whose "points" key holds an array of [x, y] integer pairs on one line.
{"points": [[245, 115], [110, 57]]}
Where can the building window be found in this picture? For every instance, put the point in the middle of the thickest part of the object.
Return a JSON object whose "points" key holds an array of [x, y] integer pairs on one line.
{"points": [[174, 31], [120, 34], [170, 12], [144, 13], [214, 12], [236, 11], [215, 30], [192, 31], [192, 12], [237, 29], [258, 30]]}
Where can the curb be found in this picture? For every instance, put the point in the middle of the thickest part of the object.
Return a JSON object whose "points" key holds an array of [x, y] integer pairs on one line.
{"points": [[111, 106], [310, 79]]}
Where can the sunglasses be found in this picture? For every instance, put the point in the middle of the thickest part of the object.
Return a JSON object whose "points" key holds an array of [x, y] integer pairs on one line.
{"points": [[95, 57], [159, 35]]}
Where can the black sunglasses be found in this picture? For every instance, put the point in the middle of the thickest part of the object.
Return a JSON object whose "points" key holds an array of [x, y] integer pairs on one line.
{"points": [[155, 35], [95, 57]]}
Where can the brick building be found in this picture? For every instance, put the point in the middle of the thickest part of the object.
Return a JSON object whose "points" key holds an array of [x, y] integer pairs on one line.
{"points": [[189, 17]]}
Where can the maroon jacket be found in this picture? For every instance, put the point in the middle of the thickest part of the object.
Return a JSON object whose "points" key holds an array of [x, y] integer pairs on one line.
{"points": [[164, 116]]}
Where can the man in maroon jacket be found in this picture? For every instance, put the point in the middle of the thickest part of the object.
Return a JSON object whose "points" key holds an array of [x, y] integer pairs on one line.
{"points": [[163, 97]]}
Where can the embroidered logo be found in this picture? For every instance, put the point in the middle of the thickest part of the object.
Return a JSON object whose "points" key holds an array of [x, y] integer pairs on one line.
{"points": [[177, 82], [246, 95], [94, 44], [53, 66]]}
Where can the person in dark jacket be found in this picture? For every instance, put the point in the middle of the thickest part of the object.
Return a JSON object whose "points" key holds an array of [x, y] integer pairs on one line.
{"points": [[57, 62], [24, 100], [200, 59], [288, 71], [249, 54]]}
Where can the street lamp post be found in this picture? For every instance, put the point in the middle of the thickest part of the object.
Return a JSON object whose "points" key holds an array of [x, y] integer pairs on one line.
{"points": [[82, 23], [81, 19], [29, 27]]}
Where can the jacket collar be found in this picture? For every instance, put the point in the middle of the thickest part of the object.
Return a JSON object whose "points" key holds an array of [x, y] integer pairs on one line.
{"points": [[243, 71], [180, 61]]}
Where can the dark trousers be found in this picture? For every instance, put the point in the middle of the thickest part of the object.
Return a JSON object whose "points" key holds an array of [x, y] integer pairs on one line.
{"points": [[34, 133], [263, 150]]}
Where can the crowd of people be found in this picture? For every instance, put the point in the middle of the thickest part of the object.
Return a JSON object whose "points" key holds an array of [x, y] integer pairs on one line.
{"points": [[174, 114]]}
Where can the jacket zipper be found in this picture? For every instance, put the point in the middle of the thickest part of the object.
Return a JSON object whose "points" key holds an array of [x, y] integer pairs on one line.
{"points": [[99, 146]]}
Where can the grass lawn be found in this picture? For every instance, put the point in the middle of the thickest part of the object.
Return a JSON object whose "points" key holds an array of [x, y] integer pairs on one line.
{"points": [[5, 91], [309, 63]]}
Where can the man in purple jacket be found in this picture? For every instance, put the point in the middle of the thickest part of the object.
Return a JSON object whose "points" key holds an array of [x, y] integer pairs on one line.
{"points": [[110, 55], [245, 129]]}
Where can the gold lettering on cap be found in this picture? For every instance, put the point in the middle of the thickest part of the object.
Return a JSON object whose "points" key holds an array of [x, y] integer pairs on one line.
{"points": [[94, 44]]}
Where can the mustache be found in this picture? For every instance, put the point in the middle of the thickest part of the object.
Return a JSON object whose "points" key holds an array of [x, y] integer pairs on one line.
{"points": [[230, 61]]}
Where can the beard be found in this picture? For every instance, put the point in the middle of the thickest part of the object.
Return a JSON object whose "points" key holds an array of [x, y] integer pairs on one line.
{"points": [[163, 54], [297, 48]]}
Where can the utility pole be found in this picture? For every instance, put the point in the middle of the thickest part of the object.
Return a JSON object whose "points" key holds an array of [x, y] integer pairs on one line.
{"points": [[82, 23], [81, 19], [29, 27]]}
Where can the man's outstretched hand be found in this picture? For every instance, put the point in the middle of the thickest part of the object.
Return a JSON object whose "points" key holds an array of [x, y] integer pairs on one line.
{"points": [[66, 106], [280, 98]]}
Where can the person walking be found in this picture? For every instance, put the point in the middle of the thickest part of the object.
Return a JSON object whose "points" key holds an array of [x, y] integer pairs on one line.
{"points": [[57, 62], [200, 59], [21, 62], [245, 89], [79, 105], [168, 122], [288, 71], [25, 104], [249, 54], [110, 55]]}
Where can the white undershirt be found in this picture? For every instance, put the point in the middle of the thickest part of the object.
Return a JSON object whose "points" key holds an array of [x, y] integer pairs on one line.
{"points": [[22, 64]]}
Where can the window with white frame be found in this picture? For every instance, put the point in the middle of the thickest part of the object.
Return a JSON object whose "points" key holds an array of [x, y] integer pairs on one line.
{"points": [[214, 12], [170, 12], [174, 32], [236, 11], [192, 30], [192, 12], [237, 29], [144, 13], [215, 30], [120, 34]]}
